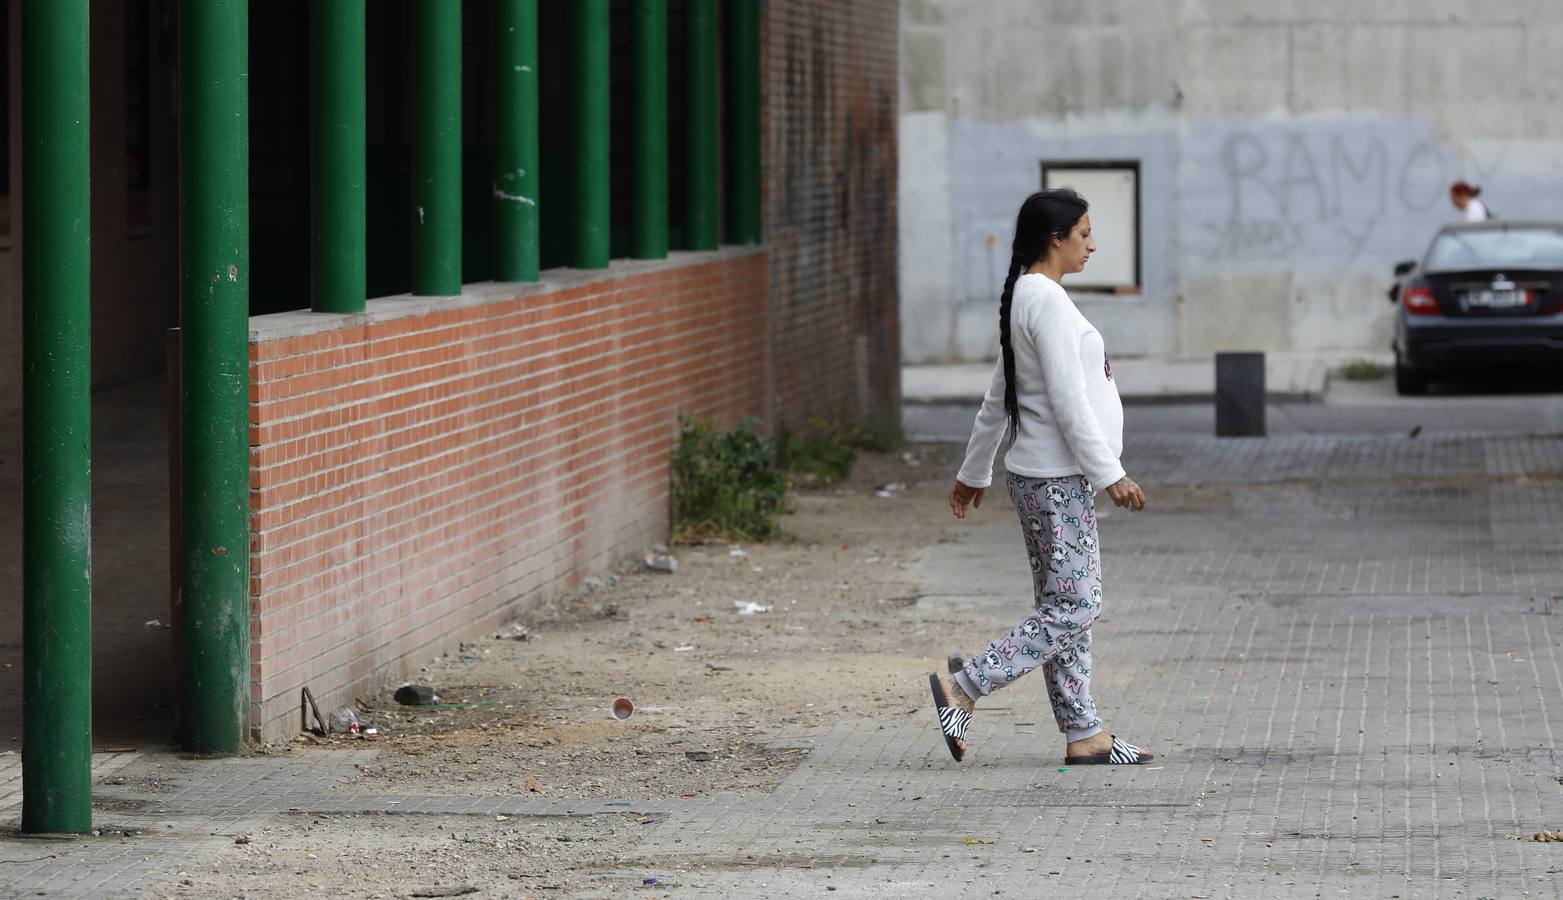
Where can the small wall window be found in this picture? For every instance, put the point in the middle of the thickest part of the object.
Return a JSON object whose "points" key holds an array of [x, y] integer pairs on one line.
{"points": [[1113, 189]]}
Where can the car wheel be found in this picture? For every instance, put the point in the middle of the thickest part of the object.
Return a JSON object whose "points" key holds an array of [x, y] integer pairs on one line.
{"points": [[1409, 381]]}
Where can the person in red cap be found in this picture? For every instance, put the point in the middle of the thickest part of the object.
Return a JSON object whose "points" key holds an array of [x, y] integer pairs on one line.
{"points": [[1464, 197]]}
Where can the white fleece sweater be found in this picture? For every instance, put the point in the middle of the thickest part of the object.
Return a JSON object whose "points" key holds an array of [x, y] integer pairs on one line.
{"points": [[1071, 420]]}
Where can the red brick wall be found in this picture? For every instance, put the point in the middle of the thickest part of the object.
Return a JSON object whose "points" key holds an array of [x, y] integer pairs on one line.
{"points": [[416, 473], [830, 182]]}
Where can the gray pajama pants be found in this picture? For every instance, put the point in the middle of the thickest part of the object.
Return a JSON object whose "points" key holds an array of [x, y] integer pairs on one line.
{"points": [[1058, 521]]}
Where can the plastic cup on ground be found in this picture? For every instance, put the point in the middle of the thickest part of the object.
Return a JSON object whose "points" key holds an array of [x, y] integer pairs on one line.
{"points": [[623, 708]]}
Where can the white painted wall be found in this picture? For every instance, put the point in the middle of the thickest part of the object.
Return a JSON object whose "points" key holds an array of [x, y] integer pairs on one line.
{"points": [[1290, 154]]}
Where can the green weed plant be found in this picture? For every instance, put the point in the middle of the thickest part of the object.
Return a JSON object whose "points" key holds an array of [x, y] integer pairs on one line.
{"points": [[1362, 370], [822, 451], [826, 449], [726, 484]]}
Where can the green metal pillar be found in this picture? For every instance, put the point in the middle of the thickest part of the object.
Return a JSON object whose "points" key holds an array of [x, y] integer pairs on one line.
{"points": [[337, 174], [743, 121], [214, 249], [56, 421], [649, 129], [589, 35], [436, 147], [702, 176], [516, 247]]}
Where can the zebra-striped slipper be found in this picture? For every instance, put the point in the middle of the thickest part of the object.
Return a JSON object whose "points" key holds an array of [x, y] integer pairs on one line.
{"points": [[952, 719], [1122, 754]]}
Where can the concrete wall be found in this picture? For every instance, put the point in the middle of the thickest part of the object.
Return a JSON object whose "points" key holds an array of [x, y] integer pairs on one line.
{"points": [[1290, 154]]}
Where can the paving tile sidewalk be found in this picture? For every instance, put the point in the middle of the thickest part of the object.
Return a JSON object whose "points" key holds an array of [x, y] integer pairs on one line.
{"points": [[1351, 678], [157, 812], [1345, 649]]}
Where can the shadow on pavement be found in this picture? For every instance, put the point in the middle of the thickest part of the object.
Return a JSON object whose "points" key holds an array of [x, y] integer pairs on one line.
{"points": [[1498, 382]]}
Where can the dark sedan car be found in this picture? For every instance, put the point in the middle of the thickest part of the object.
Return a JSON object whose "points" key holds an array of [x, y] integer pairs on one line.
{"points": [[1487, 294]]}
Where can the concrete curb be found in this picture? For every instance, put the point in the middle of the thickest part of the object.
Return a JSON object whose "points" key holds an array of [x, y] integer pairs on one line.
{"points": [[1141, 382], [1305, 396]]}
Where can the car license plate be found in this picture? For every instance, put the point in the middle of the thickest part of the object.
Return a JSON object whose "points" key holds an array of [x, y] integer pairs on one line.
{"points": [[1497, 299]]}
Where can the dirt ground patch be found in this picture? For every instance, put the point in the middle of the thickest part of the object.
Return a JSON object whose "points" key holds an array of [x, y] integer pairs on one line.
{"points": [[840, 637]]}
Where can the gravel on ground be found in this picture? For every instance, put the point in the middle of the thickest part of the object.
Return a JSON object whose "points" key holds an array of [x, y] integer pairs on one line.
{"points": [[721, 698]]}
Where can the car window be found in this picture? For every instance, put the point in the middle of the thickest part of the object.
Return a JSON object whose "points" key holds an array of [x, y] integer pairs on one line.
{"points": [[1531, 248]]}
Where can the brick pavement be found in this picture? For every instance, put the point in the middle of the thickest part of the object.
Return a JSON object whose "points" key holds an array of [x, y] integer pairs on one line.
{"points": [[1346, 649], [157, 812]]}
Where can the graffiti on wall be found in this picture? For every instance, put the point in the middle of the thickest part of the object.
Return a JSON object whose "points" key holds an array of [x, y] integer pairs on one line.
{"points": [[1325, 203], [1327, 194]]}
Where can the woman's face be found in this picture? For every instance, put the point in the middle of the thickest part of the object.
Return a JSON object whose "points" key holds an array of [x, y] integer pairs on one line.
{"points": [[1459, 199], [1074, 250]]}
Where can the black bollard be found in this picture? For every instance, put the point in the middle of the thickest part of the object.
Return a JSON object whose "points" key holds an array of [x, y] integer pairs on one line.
{"points": [[1240, 395]]}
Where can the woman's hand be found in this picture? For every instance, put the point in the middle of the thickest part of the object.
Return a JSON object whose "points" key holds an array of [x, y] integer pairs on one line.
{"points": [[961, 495], [1127, 494]]}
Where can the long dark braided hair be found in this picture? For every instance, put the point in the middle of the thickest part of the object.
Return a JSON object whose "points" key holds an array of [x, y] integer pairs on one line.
{"points": [[1045, 215]]}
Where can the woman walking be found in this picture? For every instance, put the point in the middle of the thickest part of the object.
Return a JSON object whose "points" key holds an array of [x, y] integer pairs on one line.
{"points": [[1053, 395]]}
